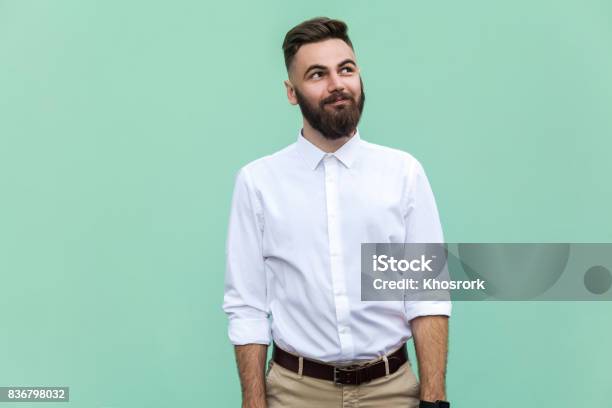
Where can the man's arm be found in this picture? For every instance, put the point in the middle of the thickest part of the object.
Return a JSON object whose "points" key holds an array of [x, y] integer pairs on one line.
{"points": [[428, 318], [431, 344], [245, 299], [251, 359]]}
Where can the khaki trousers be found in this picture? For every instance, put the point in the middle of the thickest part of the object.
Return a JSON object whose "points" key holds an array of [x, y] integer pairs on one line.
{"points": [[285, 388]]}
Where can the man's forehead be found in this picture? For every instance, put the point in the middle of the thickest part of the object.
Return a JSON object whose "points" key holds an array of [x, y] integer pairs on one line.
{"points": [[328, 53]]}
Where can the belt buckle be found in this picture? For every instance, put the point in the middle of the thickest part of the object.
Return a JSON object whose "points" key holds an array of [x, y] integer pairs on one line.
{"points": [[340, 379], [347, 379]]}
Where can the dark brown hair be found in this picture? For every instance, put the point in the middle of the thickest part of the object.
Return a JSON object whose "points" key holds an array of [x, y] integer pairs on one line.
{"points": [[311, 31]]}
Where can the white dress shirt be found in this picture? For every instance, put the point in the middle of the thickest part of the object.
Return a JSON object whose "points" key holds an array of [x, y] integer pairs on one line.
{"points": [[298, 219]]}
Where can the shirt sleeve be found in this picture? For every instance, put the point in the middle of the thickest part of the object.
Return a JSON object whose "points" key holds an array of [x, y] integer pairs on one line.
{"points": [[423, 226], [245, 299]]}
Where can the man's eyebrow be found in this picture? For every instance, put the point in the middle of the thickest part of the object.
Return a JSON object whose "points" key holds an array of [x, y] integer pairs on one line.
{"points": [[347, 61], [322, 67], [315, 66]]}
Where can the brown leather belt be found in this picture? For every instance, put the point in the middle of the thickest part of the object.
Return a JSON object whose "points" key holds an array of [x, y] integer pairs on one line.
{"points": [[351, 375]]}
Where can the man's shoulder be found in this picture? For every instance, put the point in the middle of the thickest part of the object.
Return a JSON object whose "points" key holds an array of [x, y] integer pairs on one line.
{"points": [[390, 154], [267, 162]]}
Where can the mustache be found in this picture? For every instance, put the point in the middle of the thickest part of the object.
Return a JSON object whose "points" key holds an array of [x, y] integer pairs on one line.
{"points": [[337, 96]]}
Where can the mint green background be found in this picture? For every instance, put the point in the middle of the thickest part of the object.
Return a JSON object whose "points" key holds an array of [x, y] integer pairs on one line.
{"points": [[122, 126]]}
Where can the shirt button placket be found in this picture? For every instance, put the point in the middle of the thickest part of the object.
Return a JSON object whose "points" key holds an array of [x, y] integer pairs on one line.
{"points": [[337, 268]]}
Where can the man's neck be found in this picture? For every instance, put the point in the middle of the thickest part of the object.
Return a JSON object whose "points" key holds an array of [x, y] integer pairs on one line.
{"points": [[327, 145]]}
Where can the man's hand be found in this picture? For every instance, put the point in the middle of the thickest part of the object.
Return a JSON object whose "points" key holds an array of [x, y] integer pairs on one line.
{"points": [[251, 359], [431, 344]]}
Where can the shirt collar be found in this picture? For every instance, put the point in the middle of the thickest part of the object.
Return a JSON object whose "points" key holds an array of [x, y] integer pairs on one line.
{"points": [[347, 153]]}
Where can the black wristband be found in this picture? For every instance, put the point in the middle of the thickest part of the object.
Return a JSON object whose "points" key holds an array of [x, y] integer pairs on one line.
{"points": [[437, 404]]}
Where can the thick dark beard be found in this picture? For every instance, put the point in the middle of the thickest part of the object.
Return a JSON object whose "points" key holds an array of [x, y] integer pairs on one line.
{"points": [[338, 122]]}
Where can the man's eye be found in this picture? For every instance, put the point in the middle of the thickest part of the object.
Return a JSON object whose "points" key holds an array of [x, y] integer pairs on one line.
{"points": [[316, 75], [346, 69]]}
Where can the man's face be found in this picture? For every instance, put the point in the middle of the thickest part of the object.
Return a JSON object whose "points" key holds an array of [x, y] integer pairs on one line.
{"points": [[324, 81]]}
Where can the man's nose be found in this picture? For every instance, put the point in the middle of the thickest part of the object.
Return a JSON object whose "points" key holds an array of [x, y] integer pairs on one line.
{"points": [[335, 83]]}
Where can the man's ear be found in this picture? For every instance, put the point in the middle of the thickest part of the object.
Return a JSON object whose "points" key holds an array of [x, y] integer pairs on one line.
{"points": [[290, 92]]}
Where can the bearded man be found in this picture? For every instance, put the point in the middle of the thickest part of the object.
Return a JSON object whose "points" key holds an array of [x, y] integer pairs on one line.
{"points": [[298, 219]]}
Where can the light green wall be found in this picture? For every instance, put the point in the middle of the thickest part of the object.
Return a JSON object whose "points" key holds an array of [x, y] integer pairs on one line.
{"points": [[122, 125]]}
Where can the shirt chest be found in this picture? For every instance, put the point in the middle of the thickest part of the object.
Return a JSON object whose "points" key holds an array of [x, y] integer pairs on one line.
{"points": [[303, 209]]}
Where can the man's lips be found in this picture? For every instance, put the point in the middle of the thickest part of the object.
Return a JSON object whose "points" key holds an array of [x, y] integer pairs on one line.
{"points": [[339, 101]]}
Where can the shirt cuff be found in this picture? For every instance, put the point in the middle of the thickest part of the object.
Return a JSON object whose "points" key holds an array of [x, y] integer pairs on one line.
{"points": [[249, 331], [427, 308]]}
